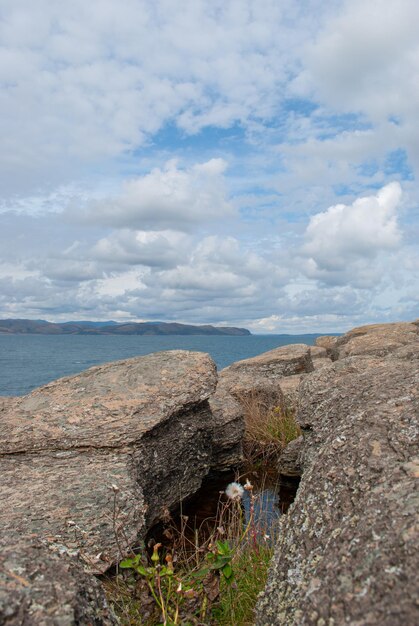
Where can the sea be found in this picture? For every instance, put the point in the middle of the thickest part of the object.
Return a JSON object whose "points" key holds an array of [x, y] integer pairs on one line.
{"points": [[29, 361]]}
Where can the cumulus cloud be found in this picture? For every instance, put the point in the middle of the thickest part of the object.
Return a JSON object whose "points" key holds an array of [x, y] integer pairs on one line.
{"points": [[118, 120], [342, 241], [100, 79], [168, 198], [360, 52], [219, 267], [153, 248]]}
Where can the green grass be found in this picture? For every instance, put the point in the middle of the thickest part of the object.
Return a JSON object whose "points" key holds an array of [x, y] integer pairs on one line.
{"points": [[213, 579], [237, 603]]}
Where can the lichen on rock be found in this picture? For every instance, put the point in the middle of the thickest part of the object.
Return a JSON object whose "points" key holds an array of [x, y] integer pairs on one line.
{"points": [[348, 548]]}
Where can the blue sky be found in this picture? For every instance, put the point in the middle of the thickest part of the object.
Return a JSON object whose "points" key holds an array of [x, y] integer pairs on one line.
{"points": [[243, 162]]}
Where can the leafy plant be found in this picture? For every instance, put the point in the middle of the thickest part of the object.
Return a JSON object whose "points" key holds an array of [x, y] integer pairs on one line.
{"points": [[218, 584]]}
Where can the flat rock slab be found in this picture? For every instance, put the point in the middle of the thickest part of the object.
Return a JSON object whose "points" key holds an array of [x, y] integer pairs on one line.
{"points": [[279, 362], [260, 378], [110, 405], [375, 339], [88, 462], [348, 548]]}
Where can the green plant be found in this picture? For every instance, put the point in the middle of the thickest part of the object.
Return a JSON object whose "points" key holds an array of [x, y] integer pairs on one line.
{"points": [[251, 569], [212, 579]]}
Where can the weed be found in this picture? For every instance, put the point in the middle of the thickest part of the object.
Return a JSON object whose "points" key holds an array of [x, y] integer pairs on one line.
{"points": [[268, 429], [212, 578]]}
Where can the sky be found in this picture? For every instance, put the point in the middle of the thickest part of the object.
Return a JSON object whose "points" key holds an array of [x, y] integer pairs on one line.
{"points": [[242, 162]]}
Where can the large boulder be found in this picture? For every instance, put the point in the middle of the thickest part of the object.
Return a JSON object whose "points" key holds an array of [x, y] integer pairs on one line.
{"points": [[88, 463], [348, 548], [375, 339], [100, 455], [268, 380]]}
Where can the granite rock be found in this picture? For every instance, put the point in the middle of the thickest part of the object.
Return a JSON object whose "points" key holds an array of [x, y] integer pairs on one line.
{"points": [[39, 587], [319, 356], [289, 464], [270, 379], [228, 430], [348, 548], [327, 342], [375, 339], [88, 463]]}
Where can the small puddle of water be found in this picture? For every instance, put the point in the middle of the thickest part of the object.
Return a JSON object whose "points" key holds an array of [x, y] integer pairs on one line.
{"points": [[273, 497]]}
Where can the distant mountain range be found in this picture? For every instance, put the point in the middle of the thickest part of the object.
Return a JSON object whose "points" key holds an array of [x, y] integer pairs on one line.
{"points": [[41, 327]]}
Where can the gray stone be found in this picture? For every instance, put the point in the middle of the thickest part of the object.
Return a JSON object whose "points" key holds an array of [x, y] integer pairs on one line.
{"points": [[348, 548], [263, 379], [375, 339], [91, 461], [228, 429], [289, 463], [39, 587]]}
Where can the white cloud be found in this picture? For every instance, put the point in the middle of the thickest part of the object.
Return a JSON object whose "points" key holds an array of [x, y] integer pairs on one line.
{"points": [[364, 61], [118, 120], [84, 82], [359, 54], [153, 249], [342, 241], [168, 198]]}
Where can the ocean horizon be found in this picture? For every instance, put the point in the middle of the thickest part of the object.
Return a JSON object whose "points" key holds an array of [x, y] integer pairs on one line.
{"points": [[30, 361]]}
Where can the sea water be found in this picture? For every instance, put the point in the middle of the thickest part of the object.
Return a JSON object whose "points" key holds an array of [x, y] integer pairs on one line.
{"points": [[29, 361]]}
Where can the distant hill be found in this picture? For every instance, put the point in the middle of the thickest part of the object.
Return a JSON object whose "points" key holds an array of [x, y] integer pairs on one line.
{"points": [[41, 327]]}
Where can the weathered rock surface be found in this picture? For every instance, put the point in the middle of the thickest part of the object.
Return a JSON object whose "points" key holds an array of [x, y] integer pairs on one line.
{"points": [[289, 463], [319, 356], [143, 426], [41, 588], [262, 379], [348, 548], [228, 429], [375, 339], [327, 342], [89, 462]]}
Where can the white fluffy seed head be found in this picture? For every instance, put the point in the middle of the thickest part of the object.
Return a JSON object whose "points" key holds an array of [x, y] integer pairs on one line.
{"points": [[234, 491]]}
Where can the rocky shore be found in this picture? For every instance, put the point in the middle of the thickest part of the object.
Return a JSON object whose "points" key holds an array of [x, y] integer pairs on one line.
{"points": [[88, 463], [348, 548]]}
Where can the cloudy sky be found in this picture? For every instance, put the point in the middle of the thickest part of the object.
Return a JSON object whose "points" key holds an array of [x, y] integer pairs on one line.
{"points": [[246, 162]]}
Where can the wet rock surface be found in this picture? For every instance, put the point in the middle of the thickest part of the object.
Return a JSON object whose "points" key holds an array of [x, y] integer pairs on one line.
{"points": [[89, 462], [348, 548]]}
